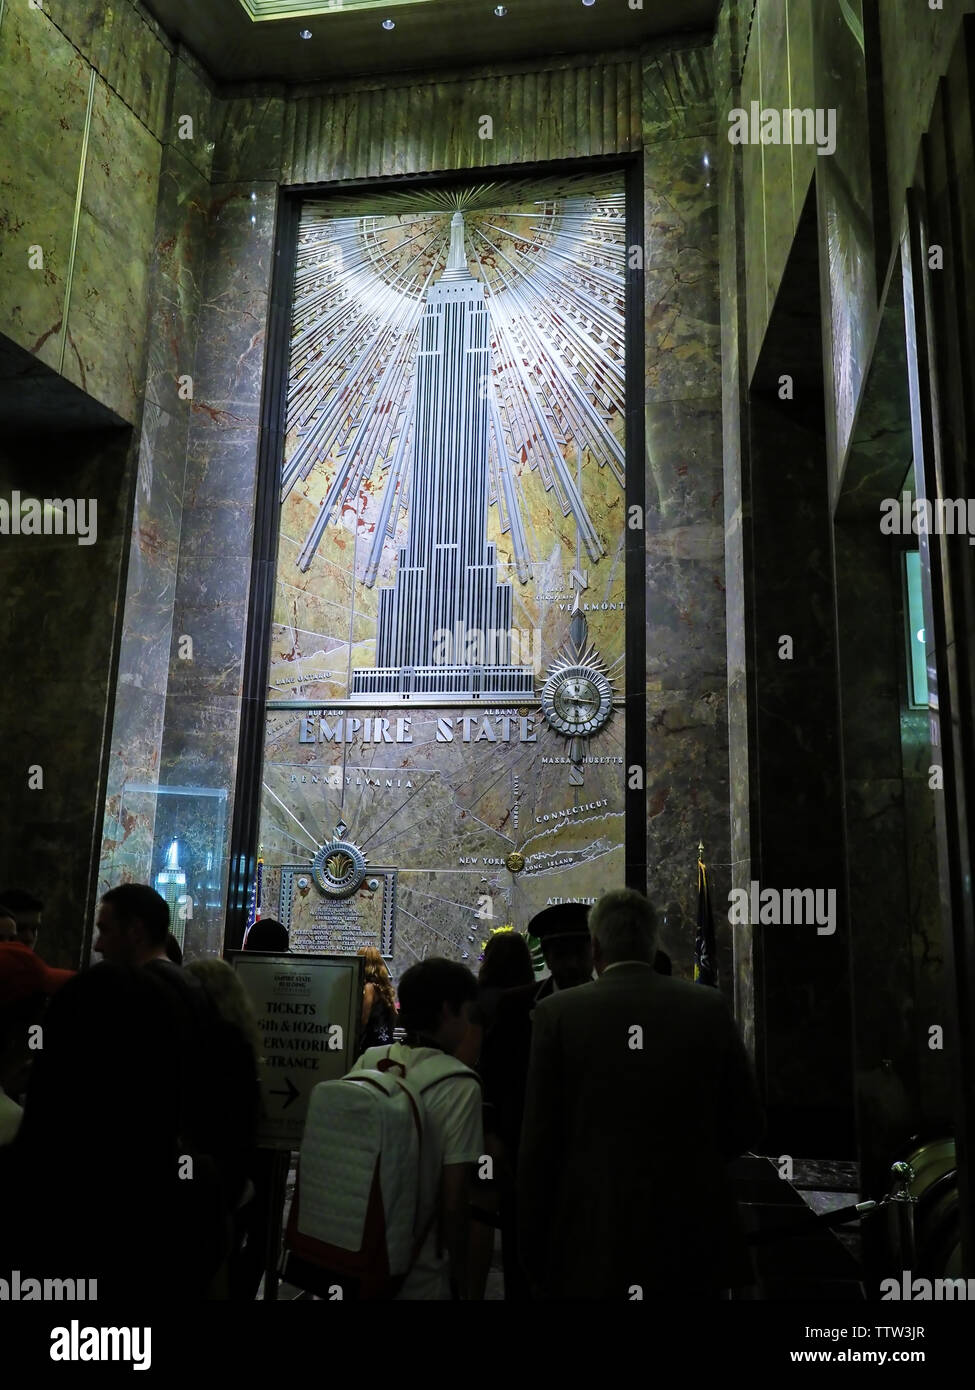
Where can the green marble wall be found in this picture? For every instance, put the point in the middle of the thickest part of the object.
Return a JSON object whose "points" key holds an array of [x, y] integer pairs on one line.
{"points": [[687, 757], [57, 619], [916, 44], [877, 65], [773, 65], [165, 273], [729, 43], [80, 113]]}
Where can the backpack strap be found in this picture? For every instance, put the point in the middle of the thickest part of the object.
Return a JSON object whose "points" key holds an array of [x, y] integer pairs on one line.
{"points": [[454, 1071], [387, 1064]]}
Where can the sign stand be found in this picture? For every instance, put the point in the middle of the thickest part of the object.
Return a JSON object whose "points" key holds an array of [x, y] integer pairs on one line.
{"points": [[308, 1012], [275, 1224]]}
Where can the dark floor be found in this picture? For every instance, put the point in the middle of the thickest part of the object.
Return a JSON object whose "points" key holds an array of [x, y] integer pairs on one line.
{"points": [[795, 1258]]}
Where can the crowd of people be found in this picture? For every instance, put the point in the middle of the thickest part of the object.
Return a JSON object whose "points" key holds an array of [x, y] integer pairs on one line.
{"points": [[589, 1116]]}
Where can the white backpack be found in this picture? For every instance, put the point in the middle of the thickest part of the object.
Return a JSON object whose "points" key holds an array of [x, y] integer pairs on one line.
{"points": [[368, 1184]]}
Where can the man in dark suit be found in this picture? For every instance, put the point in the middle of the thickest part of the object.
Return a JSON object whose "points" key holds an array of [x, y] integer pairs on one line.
{"points": [[639, 1094], [563, 931]]}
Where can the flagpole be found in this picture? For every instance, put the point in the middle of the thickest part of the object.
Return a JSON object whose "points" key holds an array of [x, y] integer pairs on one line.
{"points": [[705, 957]]}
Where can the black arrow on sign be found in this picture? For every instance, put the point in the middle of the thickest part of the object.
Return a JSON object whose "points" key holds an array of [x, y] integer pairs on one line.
{"points": [[292, 1092]]}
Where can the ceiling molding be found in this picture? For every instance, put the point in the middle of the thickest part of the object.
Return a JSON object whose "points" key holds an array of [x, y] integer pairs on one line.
{"points": [[240, 41], [259, 10]]}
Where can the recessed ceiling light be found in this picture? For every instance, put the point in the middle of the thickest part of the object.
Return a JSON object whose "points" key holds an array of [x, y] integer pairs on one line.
{"points": [[500, 11], [388, 24], [589, 2], [305, 34]]}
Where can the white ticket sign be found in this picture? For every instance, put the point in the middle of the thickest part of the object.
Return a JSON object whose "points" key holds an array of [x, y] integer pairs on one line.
{"points": [[308, 1010]]}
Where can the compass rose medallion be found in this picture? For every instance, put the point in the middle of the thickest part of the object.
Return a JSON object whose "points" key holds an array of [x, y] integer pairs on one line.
{"points": [[339, 868]]}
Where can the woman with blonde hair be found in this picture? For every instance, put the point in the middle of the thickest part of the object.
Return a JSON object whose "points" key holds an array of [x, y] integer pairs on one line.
{"points": [[378, 1002]]}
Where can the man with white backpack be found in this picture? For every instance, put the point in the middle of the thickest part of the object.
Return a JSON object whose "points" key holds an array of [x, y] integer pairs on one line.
{"points": [[390, 1151]]}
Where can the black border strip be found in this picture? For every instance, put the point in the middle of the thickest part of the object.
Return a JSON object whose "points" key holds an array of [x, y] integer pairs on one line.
{"points": [[635, 755], [245, 826]]}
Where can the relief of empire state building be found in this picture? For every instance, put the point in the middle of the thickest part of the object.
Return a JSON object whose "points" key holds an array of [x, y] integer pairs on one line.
{"points": [[446, 580]]}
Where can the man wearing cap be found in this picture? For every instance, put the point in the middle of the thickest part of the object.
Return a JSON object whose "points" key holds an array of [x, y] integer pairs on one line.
{"points": [[25, 985], [563, 932]]}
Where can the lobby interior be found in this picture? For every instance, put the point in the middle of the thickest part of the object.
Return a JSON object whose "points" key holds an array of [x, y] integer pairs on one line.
{"points": [[798, 675]]}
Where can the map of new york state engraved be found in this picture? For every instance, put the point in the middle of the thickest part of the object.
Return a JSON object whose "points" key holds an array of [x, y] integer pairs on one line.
{"points": [[445, 703]]}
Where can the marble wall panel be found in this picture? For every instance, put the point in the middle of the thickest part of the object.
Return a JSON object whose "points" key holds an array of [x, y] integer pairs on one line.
{"points": [[58, 626], [233, 311], [191, 94], [728, 42], [685, 610], [216, 629], [177, 283], [678, 94], [871, 650], [687, 793], [796, 815], [802, 94], [846, 216], [687, 767], [685, 474], [40, 162], [869, 625], [780, 219], [125, 45], [916, 43], [199, 746], [249, 133], [153, 552], [681, 319], [177, 268], [221, 466], [108, 308], [205, 752], [881, 448], [753, 210], [50, 853], [80, 21], [200, 752], [129, 817]]}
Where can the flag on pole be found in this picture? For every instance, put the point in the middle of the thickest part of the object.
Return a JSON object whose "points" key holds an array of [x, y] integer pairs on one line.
{"points": [[705, 960], [256, 894]]}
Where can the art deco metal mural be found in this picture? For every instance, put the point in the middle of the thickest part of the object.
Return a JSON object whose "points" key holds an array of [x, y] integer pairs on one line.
{"points": [[446, 669]]}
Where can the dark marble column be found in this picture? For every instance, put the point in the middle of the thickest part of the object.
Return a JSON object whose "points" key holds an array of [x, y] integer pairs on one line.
{"points": [[896, 936], [687, 758], [737, 520], [213, 578], [60, 601], [127, 851], [802, 994]]}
